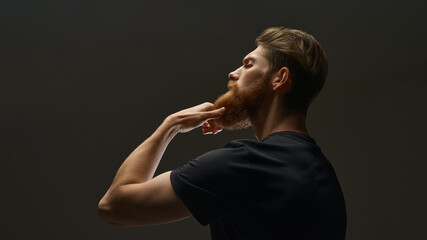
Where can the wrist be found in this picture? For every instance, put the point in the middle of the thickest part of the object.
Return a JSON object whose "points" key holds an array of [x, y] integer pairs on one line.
{"points": [[171, 125]]}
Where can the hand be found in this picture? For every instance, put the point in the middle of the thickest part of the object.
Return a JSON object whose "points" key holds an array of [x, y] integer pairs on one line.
{"points": [[209, 127], [191, 118]]}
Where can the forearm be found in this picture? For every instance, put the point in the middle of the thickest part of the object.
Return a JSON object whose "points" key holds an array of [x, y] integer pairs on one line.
{"points": [[134, 197], [142, 163]]}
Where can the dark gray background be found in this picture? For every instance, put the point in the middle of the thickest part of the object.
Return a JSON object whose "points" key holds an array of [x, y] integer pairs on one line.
{"points": [[82, 83]]}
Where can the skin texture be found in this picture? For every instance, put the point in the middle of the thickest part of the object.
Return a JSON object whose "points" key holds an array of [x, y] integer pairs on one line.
{"points": [[136, 198]]}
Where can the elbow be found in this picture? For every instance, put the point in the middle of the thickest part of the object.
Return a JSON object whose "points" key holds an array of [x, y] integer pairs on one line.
{"points": [[109, 212], [105, 211]]}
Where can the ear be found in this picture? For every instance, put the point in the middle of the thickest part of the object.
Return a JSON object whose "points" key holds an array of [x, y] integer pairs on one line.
{"points": [[282, 80]]}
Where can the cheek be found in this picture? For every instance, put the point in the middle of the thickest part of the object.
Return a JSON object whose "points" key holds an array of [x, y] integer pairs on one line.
{"points": [[250, 77]]}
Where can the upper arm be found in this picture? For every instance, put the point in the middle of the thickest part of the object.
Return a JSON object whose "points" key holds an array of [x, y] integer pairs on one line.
{"points": [[147, 203]]}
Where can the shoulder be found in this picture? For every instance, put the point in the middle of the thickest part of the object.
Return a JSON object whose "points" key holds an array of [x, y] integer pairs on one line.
{"points": [[218, 167], [236, 148], [234, 152]]}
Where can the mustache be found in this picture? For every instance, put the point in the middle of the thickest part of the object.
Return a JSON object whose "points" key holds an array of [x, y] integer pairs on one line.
{"points": [[232, 86]]}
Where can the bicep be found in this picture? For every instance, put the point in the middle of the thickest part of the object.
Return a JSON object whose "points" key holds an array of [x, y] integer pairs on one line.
{"points": [[151, 202]]}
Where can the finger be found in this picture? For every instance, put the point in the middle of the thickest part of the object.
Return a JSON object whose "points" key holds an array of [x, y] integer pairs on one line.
{"points": [[206, 130], [217, 131], [212, 129], [214, 113], [209, 125], [206, 106]]}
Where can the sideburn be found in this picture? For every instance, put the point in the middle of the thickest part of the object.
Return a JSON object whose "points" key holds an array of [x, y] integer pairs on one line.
{"points": [[255, 96]]}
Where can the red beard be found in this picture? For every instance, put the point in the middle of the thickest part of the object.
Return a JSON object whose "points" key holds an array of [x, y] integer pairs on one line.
{"points": [[240, 105]]}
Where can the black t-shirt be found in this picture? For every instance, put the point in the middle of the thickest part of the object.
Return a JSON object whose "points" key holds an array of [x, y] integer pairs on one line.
{"points": [[280, 188]]}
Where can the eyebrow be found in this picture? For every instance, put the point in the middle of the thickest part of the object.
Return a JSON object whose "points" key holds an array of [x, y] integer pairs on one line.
{"points": [[246, 59]]}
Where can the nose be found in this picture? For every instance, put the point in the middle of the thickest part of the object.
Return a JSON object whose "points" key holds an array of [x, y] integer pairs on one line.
{"points": [[233, 76]]}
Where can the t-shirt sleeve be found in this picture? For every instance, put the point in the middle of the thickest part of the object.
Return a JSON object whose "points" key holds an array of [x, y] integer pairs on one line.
{"points": [[211, 185]]}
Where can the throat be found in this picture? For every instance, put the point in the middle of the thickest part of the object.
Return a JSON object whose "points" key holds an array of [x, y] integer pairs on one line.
{"points": [[271, 119]]}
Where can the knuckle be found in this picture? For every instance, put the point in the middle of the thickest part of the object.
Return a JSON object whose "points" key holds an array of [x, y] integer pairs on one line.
{"points": [[208, 104]]}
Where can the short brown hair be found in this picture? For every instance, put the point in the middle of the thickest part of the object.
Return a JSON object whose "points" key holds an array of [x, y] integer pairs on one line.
{"points": [[305, 58]]}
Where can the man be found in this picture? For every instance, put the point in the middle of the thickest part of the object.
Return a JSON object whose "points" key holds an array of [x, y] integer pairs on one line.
{"points": [[279, 187]]}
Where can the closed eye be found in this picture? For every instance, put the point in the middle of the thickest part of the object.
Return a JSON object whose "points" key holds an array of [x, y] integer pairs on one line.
{"points": [[248, 62]]}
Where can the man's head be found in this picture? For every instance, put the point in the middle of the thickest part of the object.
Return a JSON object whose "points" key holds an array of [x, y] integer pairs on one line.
{"points": [[249, 87], [305, 58], [279, 49]]}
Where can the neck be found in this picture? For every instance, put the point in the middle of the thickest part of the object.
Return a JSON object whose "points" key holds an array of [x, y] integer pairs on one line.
{"points": [[272, 117]]}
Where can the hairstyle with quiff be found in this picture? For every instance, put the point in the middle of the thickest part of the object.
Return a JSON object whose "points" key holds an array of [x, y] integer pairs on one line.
{"points": [[305, 58]]}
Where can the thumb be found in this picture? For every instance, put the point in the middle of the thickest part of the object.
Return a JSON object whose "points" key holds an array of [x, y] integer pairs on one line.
{"points": [[215, 113]]}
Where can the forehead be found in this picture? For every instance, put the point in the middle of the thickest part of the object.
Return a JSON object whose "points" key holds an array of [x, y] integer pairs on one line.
{"points": [[258, 55]]}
